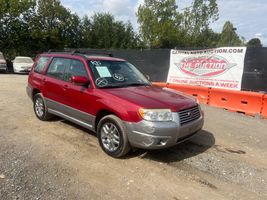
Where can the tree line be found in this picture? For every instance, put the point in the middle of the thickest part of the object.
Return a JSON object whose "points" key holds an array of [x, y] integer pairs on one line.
{"points": [[163, 25], [29, 27]]}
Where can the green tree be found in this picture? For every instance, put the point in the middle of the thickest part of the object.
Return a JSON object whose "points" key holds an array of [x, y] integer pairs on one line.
{"points": [[199, 15], [207, 38], [254, 42], [163, 26], [71, 31], [159, 23], [196, 21], [229, 37], [86, 36], [14, 27], [29, 27], [102, 30], [52, 27], [106, 32]]}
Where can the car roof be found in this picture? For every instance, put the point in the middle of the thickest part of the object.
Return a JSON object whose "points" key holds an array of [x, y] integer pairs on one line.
{"points": [[85, 56]]}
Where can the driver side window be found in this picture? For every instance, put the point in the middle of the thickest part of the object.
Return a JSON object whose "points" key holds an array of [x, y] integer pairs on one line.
{"points": [[57, 68], [76, 68]]}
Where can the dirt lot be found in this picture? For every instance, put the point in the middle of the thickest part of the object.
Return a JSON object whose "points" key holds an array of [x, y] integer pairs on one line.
{"points": [[59, 160]]}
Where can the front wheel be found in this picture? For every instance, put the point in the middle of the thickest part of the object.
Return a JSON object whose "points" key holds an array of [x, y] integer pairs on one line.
{"points": [[112, 136]]}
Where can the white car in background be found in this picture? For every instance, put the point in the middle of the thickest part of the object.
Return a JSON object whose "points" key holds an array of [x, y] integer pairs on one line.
{"points": [[22, 64], [3, 65]]}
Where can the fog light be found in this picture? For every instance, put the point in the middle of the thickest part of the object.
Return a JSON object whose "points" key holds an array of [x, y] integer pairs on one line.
{"points": [[149, 141], [162, 142], [149, 129]]}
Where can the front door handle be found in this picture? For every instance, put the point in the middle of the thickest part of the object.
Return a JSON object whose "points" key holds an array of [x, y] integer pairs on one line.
{"points": [[44, 80], [65, 87]]}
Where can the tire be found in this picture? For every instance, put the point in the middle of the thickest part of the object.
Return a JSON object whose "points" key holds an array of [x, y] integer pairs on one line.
{"points": [[40, 108], [112, 136]]}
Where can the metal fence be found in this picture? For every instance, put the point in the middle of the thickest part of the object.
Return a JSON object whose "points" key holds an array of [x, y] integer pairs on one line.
{"points": [[155, 63]]}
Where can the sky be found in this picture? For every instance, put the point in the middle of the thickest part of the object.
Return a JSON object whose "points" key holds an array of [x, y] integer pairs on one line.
{"points": [[248, 16]]}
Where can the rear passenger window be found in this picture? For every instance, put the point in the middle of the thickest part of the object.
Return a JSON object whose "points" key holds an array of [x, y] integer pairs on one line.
{"points": [[41, 63], [76, 68], [57, 68]]}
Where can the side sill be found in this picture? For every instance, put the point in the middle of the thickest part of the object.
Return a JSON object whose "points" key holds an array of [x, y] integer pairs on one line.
{"points": [[74, 120]]}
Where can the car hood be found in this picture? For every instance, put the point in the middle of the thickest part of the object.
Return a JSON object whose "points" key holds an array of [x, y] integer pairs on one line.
{"points": [[154, 97]]}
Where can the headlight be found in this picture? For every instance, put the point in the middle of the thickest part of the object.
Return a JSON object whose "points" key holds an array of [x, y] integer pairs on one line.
{"points": [[156, 115]]}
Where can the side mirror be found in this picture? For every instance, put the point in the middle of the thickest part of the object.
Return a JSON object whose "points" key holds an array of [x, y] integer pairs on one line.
{"points": [[80, 80], [148, 77]]}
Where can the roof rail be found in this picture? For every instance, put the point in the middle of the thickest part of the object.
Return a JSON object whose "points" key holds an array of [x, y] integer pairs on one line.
{"points": [[83, 52], [91, 52], [55, 50]]}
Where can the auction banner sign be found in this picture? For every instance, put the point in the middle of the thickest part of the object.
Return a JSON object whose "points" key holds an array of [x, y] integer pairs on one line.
{"points": [[218, 68]]}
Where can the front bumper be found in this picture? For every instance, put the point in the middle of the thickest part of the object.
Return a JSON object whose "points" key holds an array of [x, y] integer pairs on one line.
{"points": [[22, 69], [158, 135]]}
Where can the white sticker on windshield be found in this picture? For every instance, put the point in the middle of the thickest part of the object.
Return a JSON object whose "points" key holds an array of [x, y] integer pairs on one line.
{"points": [[103, 71]]}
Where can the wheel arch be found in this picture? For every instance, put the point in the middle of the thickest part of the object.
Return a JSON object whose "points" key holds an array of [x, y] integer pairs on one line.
{"points": [[34, 92], [100, 114]]}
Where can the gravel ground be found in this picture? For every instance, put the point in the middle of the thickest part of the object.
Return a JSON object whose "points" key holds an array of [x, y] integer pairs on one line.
{"points": [[59, 160]]}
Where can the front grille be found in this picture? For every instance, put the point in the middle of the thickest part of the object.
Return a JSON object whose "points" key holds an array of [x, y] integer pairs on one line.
{"points": [[189, 115]]}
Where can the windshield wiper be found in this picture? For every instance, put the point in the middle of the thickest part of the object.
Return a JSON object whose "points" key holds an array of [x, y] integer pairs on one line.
{"points": [[112, 86], [136, 84]]}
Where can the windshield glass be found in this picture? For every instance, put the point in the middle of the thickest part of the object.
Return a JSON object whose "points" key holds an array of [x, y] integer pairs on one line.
{"points": [[23, 60], [109, 74]]}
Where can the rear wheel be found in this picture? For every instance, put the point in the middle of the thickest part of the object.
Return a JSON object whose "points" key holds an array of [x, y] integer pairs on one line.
{"points": [[112, 136], [40, 108]]}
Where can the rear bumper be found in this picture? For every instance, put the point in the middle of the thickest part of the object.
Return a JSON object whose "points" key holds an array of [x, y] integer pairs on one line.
{"points": [[22, 71], [158, 135], [3, 67]]}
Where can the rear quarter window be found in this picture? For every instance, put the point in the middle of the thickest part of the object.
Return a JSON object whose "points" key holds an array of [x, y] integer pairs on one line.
{"points": [[41, 63]]}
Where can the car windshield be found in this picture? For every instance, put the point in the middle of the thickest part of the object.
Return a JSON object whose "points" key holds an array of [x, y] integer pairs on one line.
{"points": [[23, 60], [112, 74]]}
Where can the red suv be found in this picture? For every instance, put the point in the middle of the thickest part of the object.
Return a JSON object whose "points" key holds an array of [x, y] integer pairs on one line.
{"points": [[111, 97]]}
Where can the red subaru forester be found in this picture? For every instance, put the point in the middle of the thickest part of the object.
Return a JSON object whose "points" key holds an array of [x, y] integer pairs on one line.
{"points": [[111, 97]]}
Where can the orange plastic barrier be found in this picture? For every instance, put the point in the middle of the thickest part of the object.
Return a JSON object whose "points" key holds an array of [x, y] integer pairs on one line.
{"points": [[249, 103], [264, 108], [201, 93], [161, 84]]}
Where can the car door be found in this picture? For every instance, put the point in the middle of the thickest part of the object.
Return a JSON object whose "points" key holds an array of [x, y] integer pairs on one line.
{"points": [[54, 84], [36, 75], [80, 98]]}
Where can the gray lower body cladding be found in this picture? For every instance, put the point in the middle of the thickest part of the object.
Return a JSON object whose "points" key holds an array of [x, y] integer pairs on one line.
{"points": [[143, 134], [158, 135], [71, 114]]}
